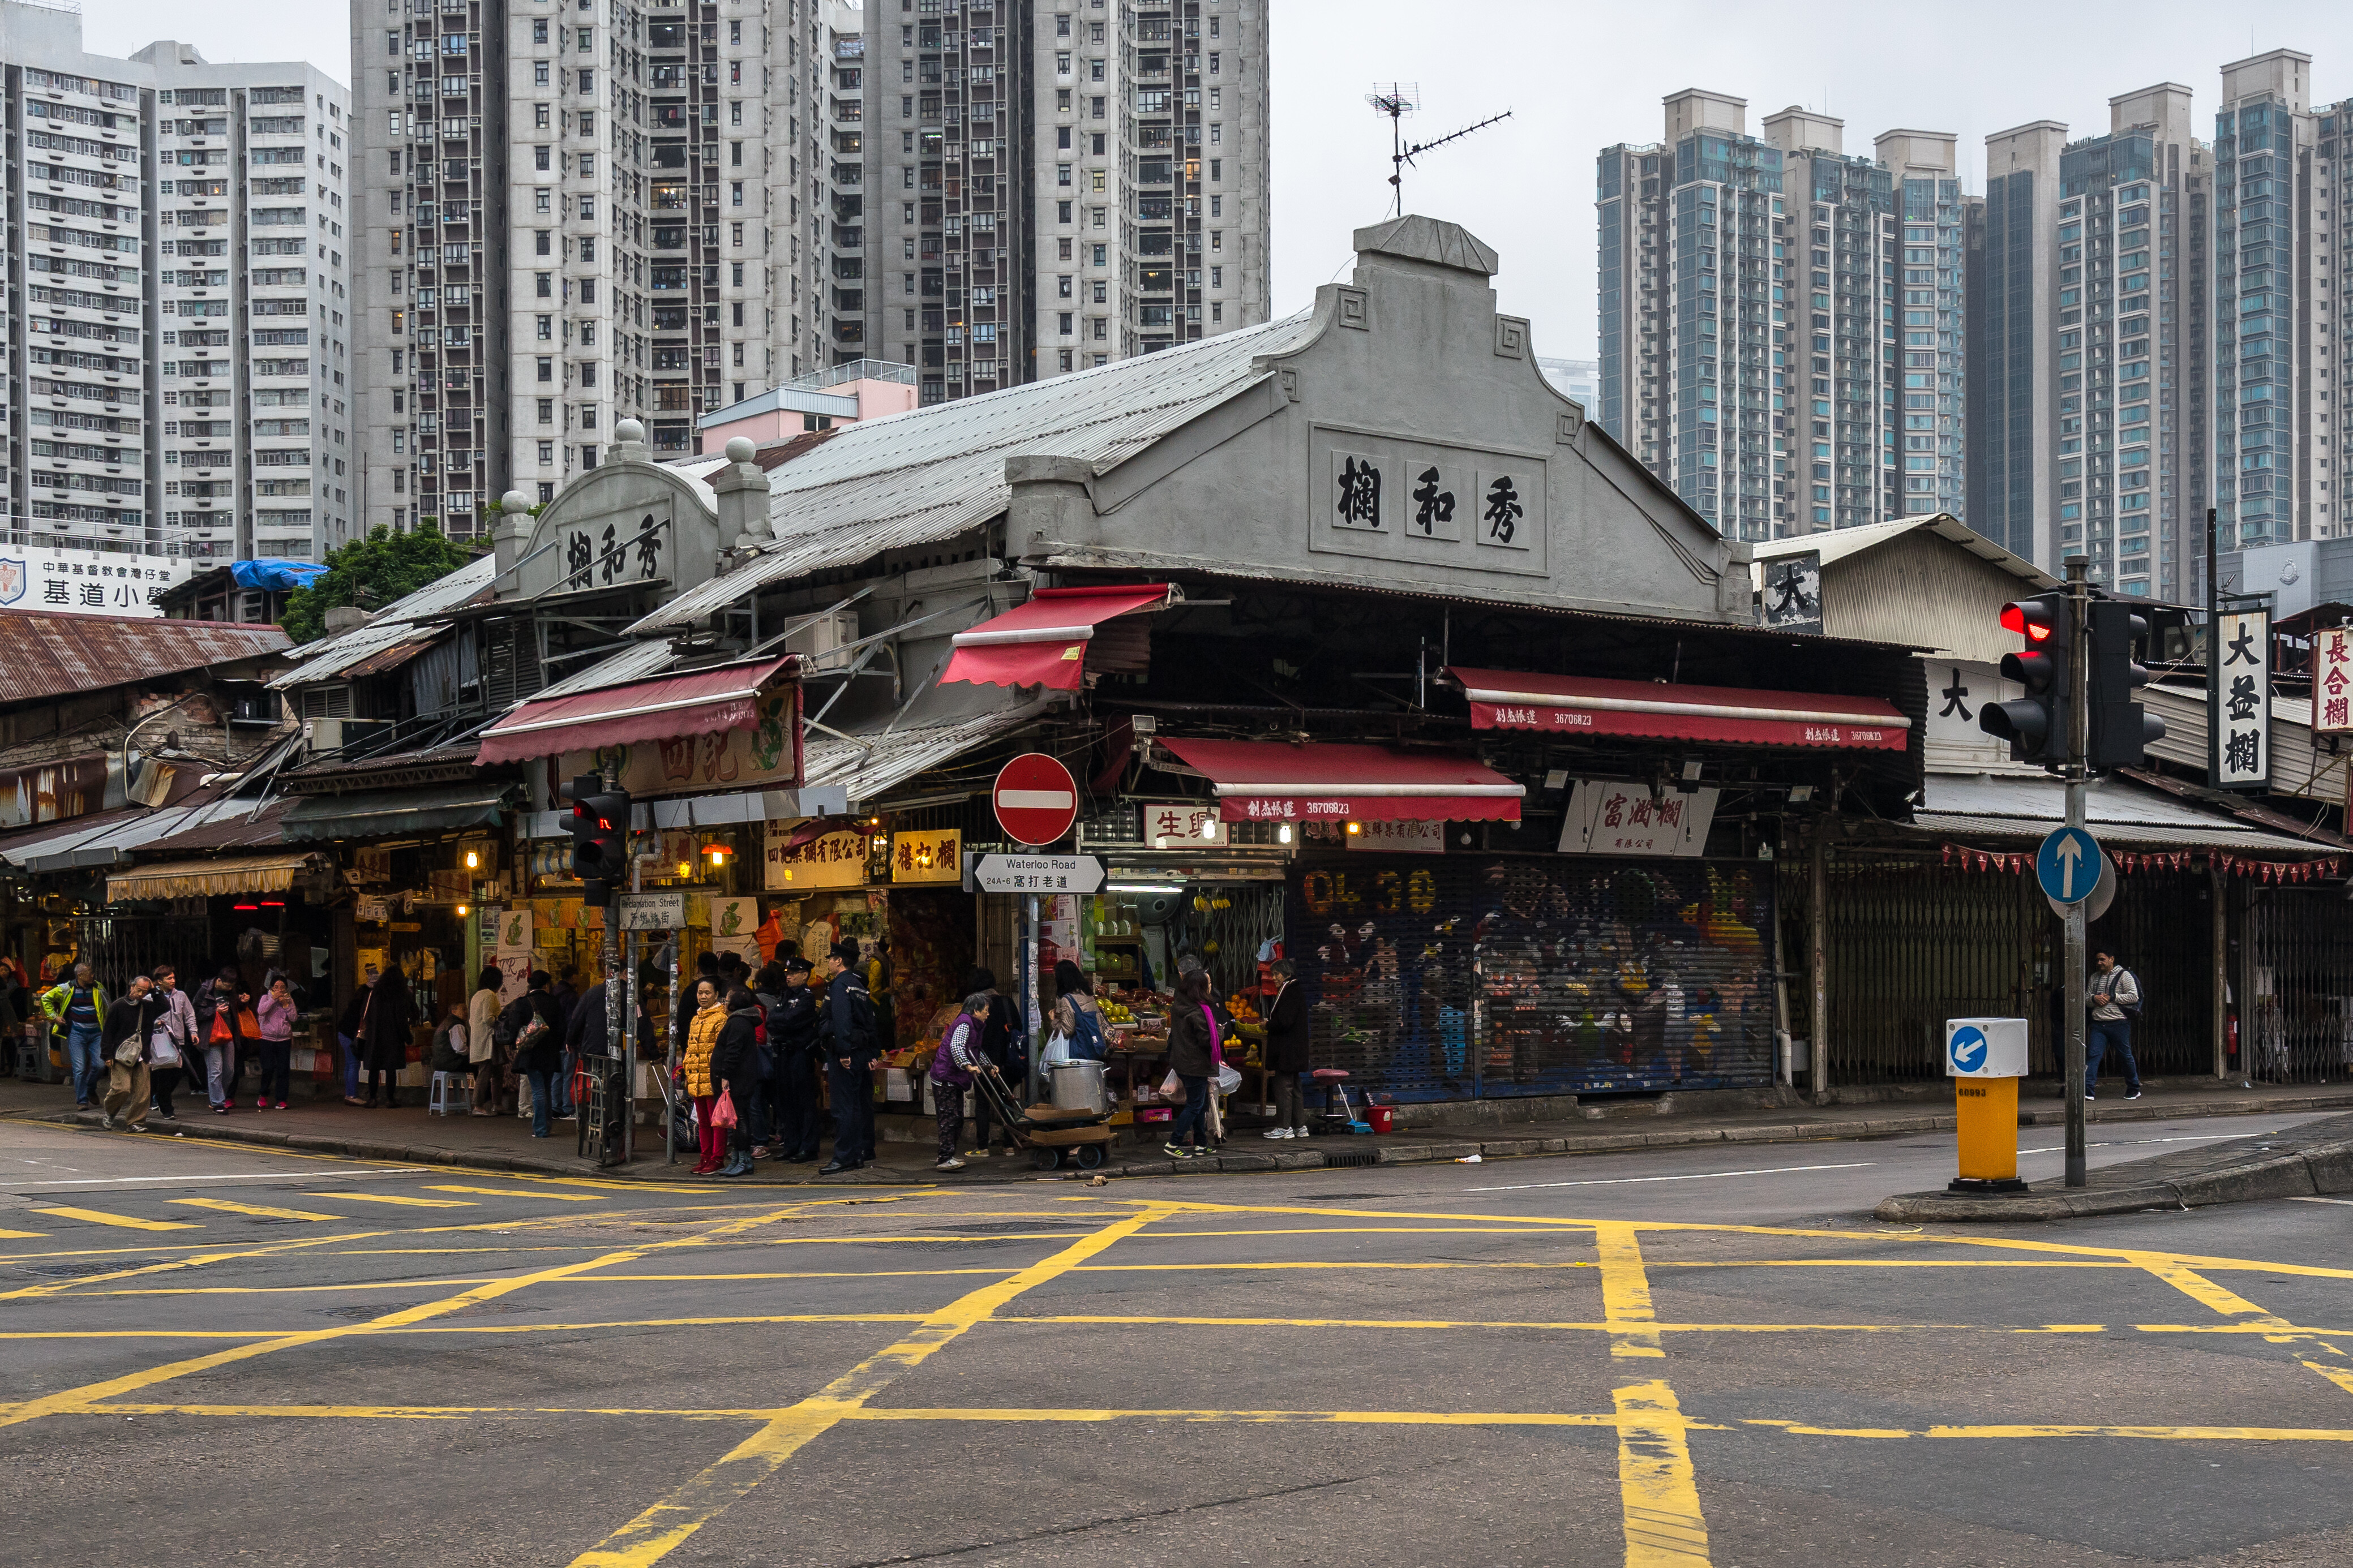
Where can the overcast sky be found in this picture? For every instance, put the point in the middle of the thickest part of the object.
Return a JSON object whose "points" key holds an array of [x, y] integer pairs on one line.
{"points": [[1576, 77]]}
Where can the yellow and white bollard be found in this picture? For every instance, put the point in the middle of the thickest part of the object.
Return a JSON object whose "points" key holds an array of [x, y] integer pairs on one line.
{"points": [[1986, 1058]]}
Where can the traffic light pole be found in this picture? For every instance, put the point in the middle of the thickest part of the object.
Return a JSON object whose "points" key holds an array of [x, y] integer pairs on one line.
{"points": [[2079, 748]]}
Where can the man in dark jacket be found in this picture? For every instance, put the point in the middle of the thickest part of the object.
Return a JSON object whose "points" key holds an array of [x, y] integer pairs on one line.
{"points": [[536, 1027], [793, 1050], [850, 1055]]}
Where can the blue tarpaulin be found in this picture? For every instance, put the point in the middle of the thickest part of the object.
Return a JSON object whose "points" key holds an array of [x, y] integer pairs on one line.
{"points": [[275, 575]]}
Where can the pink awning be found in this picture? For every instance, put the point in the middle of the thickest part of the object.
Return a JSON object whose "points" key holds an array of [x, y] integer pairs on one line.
{"points": [[1730, 715], [1044, 642], [701, 702], [1274, 780]]}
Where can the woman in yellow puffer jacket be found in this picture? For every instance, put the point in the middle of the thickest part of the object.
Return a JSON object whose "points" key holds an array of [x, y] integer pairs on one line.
{"points": [[701, 1038]]}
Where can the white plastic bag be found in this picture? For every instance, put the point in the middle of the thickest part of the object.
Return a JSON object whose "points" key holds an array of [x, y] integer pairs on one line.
{"points": [[1058, 1049], [1228, 1079], [163, 1051]]}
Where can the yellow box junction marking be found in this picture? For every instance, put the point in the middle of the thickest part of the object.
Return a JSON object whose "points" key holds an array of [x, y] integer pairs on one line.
{"points": [[259, 1211], [127, 1222]]}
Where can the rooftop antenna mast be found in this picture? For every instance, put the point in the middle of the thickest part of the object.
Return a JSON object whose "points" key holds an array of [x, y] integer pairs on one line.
{"points": [[1397, 100]]}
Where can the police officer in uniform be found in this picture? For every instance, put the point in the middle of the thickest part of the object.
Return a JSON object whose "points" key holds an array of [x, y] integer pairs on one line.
{"points": [[849, 1051], [793, 1045]]}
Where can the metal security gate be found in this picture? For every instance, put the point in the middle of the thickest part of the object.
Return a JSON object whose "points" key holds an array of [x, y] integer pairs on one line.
{"points": [[1460, 977], [2162, 927], [1913, 943], [2295, 987], [121, 946]]}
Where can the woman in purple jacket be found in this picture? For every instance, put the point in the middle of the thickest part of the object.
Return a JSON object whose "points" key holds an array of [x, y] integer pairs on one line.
{"points": [[953, 1066], [276, 1016]]}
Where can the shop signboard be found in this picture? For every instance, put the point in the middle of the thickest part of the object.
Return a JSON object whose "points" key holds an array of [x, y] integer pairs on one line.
{"points": [[1182, 824], [650, 911], [828, 860], [1402, 836], [698, 764], [1607, 817], [1037, 874], [372, 909], [934, 854], [88, 582], [370, 864], [734, 926], [509, 947], [2332, 695], [2240, 724], [1036, 798]]}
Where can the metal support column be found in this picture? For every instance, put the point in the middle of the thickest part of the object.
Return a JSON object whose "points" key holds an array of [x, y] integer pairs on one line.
{"points": [[2079, 746], [1818, 941], [2222, 1009]]}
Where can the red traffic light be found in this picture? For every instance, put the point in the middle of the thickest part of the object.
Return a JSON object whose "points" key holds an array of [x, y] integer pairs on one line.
{"points": [[2015, 618]]}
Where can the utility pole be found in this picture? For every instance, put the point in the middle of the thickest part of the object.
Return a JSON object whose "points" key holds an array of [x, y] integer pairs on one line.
{"points": [[620, 1049], [2079, 746]]}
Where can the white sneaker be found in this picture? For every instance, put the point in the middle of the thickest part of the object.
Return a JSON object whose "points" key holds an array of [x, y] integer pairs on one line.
{"points": [[1276, 1132], [1298, 1132], [949, 1165]]}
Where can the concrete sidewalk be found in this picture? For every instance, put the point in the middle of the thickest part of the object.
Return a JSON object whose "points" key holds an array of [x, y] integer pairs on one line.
{"points": [[2314, 1159], [328, 1126]]}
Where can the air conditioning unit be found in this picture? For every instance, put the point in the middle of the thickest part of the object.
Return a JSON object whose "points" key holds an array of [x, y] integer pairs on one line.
{"points": [[822, 642], [324, 734]]}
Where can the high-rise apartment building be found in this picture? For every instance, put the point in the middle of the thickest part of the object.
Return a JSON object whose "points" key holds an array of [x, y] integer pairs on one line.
{"points": [[175, 331], [2277, 314], [572, 216], [1780, 322], [2089, 346], [1057, 184]]}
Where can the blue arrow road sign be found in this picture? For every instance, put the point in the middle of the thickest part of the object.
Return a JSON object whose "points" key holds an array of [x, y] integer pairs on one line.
{"points": [[2068, 865], [1968, 1048]]}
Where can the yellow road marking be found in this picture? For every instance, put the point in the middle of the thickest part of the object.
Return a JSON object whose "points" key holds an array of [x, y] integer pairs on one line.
{"points": [[2159, 1433], [127, 1222], [1657, 1493], [23, 1235], [1625, 1294], [394, 1198], [261, 1210], [196, 1260], [88, 1395], [515, 1193], [652, 1534]]}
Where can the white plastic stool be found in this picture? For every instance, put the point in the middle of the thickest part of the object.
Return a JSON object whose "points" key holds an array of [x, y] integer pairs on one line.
{"points": [[451, 1094]]}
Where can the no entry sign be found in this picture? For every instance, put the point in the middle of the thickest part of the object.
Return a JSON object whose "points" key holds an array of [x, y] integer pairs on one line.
{"points": [[1035, 799]]}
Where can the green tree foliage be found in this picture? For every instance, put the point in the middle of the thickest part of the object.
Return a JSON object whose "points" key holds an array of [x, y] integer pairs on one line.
{"points": [[371, 573]]}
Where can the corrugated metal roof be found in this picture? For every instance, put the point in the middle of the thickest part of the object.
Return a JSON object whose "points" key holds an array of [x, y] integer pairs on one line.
{"points": [[47, 655], [332, 656], [2117, 813], [929, 474], [635, 662], [2299, 766], [867, 773], [1837, 544]]}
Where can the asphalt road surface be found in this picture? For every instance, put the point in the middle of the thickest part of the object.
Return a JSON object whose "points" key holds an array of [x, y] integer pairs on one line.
{"points": [[1688, 1357]]}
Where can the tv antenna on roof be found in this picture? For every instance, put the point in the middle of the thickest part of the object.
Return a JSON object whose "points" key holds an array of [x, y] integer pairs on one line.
{"points": [[1397, 100]]}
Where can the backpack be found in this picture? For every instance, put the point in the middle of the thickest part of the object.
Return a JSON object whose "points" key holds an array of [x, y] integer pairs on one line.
{"points": [[2131, 1010]]}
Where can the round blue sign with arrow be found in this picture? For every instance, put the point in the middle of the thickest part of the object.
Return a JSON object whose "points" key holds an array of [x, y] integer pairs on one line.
{"points": [[1968, 1046], [2068, 865]]}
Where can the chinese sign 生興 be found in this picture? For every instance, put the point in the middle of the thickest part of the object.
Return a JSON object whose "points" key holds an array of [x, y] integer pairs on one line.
{"points": [[828, 860], [2332, 680], [1611, 818], [2240, 723], [87, 582], [935, 855], [1183, 824]]}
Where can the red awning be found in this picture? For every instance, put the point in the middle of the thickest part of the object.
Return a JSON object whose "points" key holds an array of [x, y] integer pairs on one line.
{"points": [[1735, 715], [1273, 781], [701, 702], [1044, 642]]}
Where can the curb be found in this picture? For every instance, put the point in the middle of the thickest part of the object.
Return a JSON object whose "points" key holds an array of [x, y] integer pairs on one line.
{"points": [[2323, 1169], [2334, 1165]]}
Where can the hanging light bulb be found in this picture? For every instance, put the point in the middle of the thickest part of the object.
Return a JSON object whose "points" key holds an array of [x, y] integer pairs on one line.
{"points": [[473, 860], [1282, 834]]}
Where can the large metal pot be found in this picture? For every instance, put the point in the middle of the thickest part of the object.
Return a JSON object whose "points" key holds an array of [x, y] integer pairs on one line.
{"points": [[1078, 1085]]}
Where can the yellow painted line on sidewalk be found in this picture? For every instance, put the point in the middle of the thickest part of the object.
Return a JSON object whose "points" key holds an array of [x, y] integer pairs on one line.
{"points": [[259, 1211], [127, 1222], [650, 1536], [395, 1198], [1658, 1494], [513, 1193]]}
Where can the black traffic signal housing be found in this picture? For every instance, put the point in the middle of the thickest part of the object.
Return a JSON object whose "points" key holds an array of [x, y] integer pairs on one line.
{"points": [[2036, 725], [2121, 729], [599, 829]]}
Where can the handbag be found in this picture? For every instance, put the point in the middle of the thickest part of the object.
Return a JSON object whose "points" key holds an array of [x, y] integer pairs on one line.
{"points": [[1172, 1088], [164, 1049], [127, 1054], [723, 1113]]}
